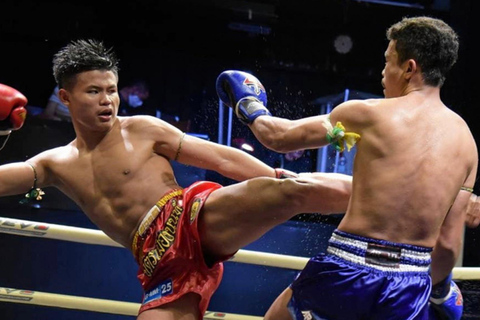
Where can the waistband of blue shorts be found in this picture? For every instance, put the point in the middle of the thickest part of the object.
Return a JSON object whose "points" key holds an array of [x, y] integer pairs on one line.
{"points": [[379, 254]]}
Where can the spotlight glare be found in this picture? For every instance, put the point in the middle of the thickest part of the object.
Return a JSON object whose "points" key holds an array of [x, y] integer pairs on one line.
{"points": [[247, 147]]}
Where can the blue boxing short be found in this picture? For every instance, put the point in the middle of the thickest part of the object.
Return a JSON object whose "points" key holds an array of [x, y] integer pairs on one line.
{"points": [[363, 278]]}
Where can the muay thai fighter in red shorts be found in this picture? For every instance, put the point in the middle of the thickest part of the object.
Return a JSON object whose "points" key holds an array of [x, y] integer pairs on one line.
{"points": [[118, 171], [168, 250]]}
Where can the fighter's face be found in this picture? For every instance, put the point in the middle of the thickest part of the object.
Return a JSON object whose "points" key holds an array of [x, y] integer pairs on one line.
{"points": [[93, 101], [393, 82]]}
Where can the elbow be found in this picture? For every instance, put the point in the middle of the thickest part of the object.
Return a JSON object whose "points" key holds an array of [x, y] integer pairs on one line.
{"points": [[272, 141], [275, 134], [277, 143], [444, 258], [446, 250], [271, 137]]}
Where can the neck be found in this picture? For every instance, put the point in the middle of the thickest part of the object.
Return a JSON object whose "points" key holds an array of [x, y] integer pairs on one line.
{"points": [[89, 139], [425, 91]]}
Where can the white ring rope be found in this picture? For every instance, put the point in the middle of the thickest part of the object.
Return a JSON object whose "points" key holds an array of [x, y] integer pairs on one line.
{"points": [[98, 237], [55, 231], [68, 302], [93, 304], [91, 236]]}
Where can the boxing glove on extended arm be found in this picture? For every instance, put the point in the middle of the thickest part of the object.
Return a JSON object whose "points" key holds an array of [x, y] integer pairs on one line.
{"points": [[243, 93], [446, 301], [12, 109]]}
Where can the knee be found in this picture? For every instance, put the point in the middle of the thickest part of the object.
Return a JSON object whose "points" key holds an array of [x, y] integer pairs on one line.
{"points": [[320, 195], [294, 192]]}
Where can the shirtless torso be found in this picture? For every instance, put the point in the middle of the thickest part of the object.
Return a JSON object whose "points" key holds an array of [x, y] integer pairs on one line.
{"points": [[404, 141], [115, 183]]}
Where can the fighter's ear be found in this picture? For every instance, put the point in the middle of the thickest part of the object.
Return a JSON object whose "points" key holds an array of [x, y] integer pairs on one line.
{"points": [[410, 68], [63, 96]]}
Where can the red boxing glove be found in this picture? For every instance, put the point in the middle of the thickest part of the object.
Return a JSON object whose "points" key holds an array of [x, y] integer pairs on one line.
{"points": [[12, 109]]}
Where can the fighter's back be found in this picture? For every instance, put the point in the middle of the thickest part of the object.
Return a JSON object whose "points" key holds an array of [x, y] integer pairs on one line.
{"points": [[414, 156]]}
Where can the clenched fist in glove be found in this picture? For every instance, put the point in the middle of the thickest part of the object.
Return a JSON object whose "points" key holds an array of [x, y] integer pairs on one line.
{"points": [[243, 93], [12, 109]]}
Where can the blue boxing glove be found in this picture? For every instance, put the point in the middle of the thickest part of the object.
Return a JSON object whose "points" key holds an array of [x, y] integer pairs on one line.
{"points": [[446, 301], [243, 93]]}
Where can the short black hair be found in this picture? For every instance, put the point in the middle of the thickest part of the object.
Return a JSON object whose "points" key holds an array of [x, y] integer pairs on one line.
{"points": [[80, 56], [431, 42]]}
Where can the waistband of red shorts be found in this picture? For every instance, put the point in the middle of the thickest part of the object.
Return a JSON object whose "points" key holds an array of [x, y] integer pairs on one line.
{"points": [[151, 215]]}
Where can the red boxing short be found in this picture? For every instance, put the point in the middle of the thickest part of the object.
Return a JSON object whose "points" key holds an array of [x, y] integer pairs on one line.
{"points": [[168, 250]]}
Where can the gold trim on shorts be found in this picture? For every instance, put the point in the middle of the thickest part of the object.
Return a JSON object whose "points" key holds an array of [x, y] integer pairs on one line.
{"points": [[152, 215]]}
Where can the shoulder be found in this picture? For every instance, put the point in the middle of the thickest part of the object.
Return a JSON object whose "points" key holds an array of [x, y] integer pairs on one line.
{"points": [[356, 106], [138, 122], [50, 160], [457, 124], [358, 112], [58, 154], [148, 127]]}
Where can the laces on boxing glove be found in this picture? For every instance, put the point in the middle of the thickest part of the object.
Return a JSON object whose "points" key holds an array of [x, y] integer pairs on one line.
{"points": [[248, 109], [5, 133]]}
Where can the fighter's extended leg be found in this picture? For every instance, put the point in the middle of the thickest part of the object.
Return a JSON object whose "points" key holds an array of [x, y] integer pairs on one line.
{"points": [[185, 308], [239, 214]]}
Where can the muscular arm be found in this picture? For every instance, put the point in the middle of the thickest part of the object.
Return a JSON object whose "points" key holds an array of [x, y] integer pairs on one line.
{"points": [[283, 135], [189, 150], [448, 246], [229, 162], [449, 243], [15, 178]]}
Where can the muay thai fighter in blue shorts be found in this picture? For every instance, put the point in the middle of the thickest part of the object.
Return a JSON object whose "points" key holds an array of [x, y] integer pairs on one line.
{"points": [[414, 170]]}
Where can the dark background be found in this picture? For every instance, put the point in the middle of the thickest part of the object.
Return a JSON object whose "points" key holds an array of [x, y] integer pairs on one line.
{"points": [[180, 47]]}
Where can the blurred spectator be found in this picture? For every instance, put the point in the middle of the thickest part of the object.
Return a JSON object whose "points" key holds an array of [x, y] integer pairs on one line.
{"points": [[133, 99], [55, 109], [298, 161]]}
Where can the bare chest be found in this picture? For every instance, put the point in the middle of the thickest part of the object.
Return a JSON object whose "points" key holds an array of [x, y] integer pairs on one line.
{"points": [[104, 173]]}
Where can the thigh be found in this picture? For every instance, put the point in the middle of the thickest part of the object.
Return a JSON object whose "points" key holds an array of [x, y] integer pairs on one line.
{"points": [[185, 308], [237, 215], [278, 310]]}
